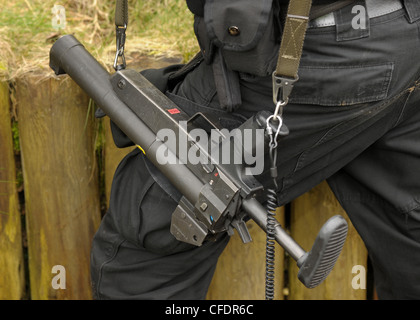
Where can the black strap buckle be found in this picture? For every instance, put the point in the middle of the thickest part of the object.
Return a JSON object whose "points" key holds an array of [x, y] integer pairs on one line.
{"points": [[282, 88]]}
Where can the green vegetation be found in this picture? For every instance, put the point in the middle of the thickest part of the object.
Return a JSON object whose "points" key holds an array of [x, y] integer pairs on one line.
{"points": [[161, 27], [166, 24]]}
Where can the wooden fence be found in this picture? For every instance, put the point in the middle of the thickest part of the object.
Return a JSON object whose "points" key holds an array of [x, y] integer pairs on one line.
{"points": [[52, 219]]}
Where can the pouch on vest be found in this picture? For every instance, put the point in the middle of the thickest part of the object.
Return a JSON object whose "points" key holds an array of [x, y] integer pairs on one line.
{"points": [[244, 30]]}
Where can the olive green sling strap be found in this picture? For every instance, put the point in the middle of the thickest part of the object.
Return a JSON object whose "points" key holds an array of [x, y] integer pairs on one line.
{"points": [[293, 37], [286, 74]]}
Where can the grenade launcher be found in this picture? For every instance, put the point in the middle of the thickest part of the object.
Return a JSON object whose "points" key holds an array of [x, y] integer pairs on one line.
{"points": [[216, 196]]}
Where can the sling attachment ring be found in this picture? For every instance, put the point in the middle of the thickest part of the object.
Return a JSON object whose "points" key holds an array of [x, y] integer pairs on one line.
{"points": [[120, 37], [273, 135], [278, 111]]}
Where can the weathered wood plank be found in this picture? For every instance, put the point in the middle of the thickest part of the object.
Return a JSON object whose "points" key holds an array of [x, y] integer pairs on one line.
{"points": [[12, 282], [61, 184], [113, 157], [309, 213], [240, 271]]}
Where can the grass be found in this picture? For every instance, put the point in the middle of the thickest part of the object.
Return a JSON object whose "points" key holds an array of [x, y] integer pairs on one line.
{"points": [[158, 27], [165, 25]]}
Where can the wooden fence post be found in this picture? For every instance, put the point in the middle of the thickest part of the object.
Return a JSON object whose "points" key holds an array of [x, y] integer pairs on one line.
{"points": [[240, 271], [12, 281], [309, 213], [113, 157], [61, 185]]}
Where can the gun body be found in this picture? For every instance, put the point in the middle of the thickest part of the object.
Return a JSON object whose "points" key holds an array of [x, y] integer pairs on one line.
{"points": [[215, 195]]}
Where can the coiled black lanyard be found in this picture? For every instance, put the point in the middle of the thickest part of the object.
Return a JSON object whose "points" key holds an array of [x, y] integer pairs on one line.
{"points": [[284, 77]]}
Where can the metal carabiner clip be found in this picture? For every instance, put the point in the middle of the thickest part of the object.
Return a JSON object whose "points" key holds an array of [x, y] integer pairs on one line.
{"points": [[278, 112], [120, 37], [269, 128]]}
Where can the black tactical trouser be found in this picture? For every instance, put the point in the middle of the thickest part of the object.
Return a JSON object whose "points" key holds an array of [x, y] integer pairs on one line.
{"points": [[354, 119]]}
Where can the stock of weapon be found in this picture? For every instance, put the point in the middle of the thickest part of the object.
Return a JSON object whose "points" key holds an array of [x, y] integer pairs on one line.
{"points": [[216, 196]]}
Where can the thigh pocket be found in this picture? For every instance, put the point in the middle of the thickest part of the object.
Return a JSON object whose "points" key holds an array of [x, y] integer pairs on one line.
{"points": [[333, 85], [155, 212]]}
